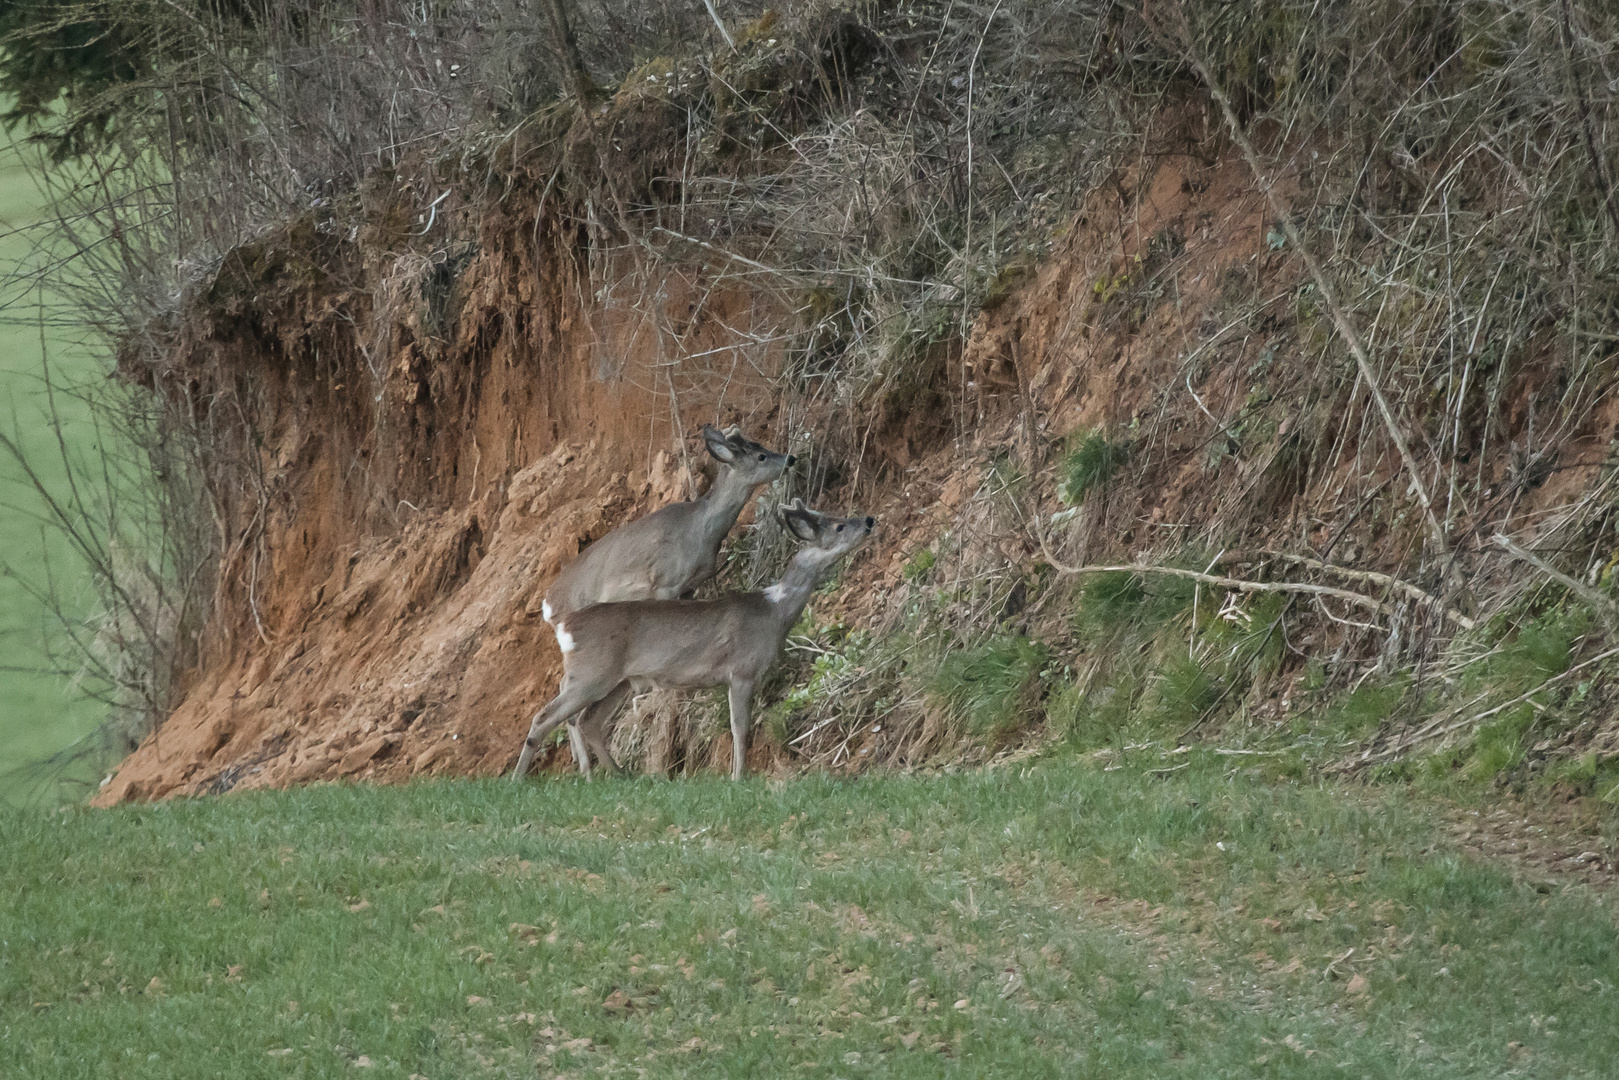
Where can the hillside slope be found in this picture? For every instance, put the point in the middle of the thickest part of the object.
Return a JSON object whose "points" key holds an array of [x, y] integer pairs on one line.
{"points": [[1213, 372], [381, 652]]}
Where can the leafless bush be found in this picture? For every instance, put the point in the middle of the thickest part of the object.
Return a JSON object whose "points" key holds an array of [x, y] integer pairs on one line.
{"points": [[134, 514]]}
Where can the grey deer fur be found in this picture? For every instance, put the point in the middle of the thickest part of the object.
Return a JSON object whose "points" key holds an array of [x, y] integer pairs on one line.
{"points": [[610, 650], [661, 556]]}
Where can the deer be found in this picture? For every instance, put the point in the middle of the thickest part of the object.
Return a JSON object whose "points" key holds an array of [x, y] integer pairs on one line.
{"points": [[662, 556], [610, 650]]}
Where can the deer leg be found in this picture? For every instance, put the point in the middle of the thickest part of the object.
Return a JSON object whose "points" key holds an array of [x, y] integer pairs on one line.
{"points": [[581, 755], [569, 700], [741, 695], [594, 728]]}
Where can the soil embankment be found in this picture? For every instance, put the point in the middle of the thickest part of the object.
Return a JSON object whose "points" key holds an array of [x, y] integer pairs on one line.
{"points": [[378, 600]]}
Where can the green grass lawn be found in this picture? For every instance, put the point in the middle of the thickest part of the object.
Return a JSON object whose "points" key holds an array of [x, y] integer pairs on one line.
{"points": [[1062, 921], [39, 711]]}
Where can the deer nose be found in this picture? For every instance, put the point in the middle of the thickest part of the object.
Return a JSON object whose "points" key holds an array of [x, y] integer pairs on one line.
{"points": [[871, 521], [790, 460]]}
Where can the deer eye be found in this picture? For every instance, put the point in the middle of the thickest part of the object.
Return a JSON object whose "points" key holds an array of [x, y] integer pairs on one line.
{"points": [[840, 528], [761, 457]]}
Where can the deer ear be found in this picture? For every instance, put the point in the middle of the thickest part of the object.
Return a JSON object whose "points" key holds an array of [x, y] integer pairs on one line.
{"points": [[734, 434], [718, 445], [800, 522]]}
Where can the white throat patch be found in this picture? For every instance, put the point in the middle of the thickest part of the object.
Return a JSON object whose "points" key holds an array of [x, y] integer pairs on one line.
{"points": [[564, 639], [545, 610], [776, 594]]}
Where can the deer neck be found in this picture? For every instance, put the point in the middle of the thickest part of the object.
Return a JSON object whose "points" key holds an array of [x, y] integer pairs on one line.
{"points": [[789, 595], [722, 504]]}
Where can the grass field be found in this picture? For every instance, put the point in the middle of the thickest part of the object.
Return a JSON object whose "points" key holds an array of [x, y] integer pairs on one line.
{"points": [[39, 712], [1065, 921]]}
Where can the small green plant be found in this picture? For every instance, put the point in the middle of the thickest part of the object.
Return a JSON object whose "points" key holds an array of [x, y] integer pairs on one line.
{"points": [[1089, 466], [1499, 746], [992, 687], [1108, 604], [1185, 690], [1541, 648], [1356, 714], [832, 671], [1544, 645], [1065, 709], [918, 566], [1095, 715], [1246, 639], [1586, 774]]}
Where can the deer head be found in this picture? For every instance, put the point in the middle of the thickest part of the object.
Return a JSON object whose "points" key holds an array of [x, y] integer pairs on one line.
{"points": [[753, 464]]}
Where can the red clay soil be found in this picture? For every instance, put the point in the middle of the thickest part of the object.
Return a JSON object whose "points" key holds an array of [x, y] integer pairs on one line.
{"points": [[381, 636]]}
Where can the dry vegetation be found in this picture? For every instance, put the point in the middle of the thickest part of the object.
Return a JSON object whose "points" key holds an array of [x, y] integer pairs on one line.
{"points": [[1382, 434]]}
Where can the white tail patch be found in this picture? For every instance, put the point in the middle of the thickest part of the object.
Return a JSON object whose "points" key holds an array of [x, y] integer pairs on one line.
{"points": [[564, 639], [545, 610], [775, 594]]}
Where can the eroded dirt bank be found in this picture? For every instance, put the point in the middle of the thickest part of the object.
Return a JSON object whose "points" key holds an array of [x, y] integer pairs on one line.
{"points": [[415, 490]]}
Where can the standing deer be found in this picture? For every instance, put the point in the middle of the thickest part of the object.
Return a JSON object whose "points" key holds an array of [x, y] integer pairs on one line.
{"points": [[611, 649], [662, 556]]}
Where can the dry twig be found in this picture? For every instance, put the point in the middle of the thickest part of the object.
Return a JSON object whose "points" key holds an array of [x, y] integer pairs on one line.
{"points": [[1371, 577], [1235, 584], [1604, 606]]}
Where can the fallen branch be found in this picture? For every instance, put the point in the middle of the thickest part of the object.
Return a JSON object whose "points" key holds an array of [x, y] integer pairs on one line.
{"points": [[1604, 606], [1361, 600], [1370, 577], [1521, 698]]}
